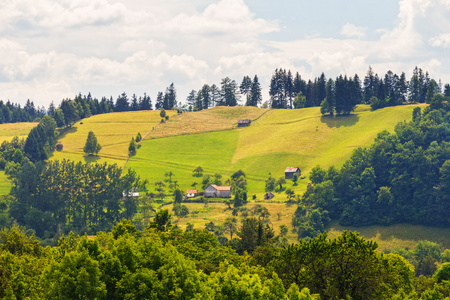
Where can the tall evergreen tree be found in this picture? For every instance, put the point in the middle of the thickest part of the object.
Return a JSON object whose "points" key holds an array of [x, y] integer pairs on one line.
{"points": [[206, 96], [122, 103], [229, 91], [215, 95], [255, 92], [134, 106], [159, 101], [245, 89]]}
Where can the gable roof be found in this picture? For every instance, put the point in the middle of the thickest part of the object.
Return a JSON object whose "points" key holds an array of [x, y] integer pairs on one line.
{"points": [[191, 192], [221, 188], [291, 169], [244, 121]]}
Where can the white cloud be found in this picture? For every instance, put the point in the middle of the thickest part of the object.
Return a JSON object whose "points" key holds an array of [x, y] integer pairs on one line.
{"points": [[351, 30], [52, 49], [442, 40]]}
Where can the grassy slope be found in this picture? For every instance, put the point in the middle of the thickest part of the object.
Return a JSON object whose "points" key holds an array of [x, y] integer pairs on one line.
{"points": [[7, 132], [279, 138], [387, 237], [10, 130], [113, 131]]}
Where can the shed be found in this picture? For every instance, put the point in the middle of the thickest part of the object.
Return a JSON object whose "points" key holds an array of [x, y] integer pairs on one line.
{"points": [[244, 122], [290, 171], [191, 193], [215, 191], [268, 195]]}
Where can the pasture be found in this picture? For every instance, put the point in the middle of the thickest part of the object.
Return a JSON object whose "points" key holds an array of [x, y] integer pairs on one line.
{"points": [[275, 140]]}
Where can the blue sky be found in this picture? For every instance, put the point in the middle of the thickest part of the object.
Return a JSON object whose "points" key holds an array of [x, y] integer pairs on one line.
{"points": [[54, 49]]}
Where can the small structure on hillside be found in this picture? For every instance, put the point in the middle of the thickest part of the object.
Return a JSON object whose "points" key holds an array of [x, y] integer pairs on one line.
{"points": [[215, 191], [133, 193], [290, 171], [59, 146], [191, 193], [268, 195], [244, 122]]}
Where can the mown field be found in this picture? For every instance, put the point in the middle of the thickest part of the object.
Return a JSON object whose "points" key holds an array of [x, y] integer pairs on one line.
{"points": [[10, 130], [275, 140], [7, 132], [113, 131]]}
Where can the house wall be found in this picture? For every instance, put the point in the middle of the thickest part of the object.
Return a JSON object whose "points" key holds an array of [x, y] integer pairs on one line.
{"points": [[224, 194]]}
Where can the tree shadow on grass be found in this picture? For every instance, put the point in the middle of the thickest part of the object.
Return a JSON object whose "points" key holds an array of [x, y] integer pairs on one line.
{"points": [[340, 120], [66, 131], [91, 158]]}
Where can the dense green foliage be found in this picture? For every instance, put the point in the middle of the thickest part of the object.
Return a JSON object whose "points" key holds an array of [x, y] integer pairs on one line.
{"points": [[402, 177], [171, 264], [71, 195]]}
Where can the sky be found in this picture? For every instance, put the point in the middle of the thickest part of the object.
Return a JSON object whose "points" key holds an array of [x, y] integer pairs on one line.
{"points": [[54, 49]]}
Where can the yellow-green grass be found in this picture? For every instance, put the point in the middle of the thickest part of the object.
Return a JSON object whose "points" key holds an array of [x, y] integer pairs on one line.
{"points": [[5, 184], [208, 120], [10, 130], [387, 237], [278, 139], [399, 235], [113, 131], [7, 132]]}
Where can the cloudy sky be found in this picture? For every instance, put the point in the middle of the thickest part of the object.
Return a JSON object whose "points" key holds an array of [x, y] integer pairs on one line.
{"points": [[54, 49]]}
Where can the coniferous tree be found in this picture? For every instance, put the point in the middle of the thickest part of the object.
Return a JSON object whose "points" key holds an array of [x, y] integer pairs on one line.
{"points": [[191, 99], [245, 89], [255, 92], [122, 103], [170, 98], [215, 95], [159, 101], [91, 146], [229, 91], [134, 106], [206, 96]]}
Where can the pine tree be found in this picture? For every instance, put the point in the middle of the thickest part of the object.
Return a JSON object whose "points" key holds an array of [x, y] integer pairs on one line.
{"points": [[122, 103], [91, 146], [159, 101], [206, 96], [255, 92], [245, 88], [191, 99]]}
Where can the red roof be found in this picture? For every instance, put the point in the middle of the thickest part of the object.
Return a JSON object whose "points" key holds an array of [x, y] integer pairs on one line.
{"points": [[191, 192]]}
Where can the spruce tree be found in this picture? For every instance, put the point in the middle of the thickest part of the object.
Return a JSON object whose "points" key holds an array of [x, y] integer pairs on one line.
{"points": [[92, 146]]}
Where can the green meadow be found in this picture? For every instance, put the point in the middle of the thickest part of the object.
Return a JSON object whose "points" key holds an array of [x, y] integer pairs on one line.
{"points": [[275, 140]]}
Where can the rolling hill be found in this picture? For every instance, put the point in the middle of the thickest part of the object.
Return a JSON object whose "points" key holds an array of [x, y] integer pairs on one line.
{"points": [[276, 139]]}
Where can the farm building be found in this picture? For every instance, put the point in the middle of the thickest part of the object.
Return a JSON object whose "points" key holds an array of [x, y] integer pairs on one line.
{"points": [[290, 171], [268, 195], [133, 193], [191, 193], [214, 191], [244, 122]]}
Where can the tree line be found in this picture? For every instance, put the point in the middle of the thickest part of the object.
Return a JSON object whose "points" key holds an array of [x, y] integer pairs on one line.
{"points": [[60, 196], [403, 177]]}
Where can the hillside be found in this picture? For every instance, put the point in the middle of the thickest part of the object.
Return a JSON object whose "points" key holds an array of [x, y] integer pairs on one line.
{"points": [[277, 139], [10, 130], [113, 131]]}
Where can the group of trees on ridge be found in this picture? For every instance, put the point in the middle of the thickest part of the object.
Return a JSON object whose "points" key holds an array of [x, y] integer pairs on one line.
{"points": [[286, 90]]}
